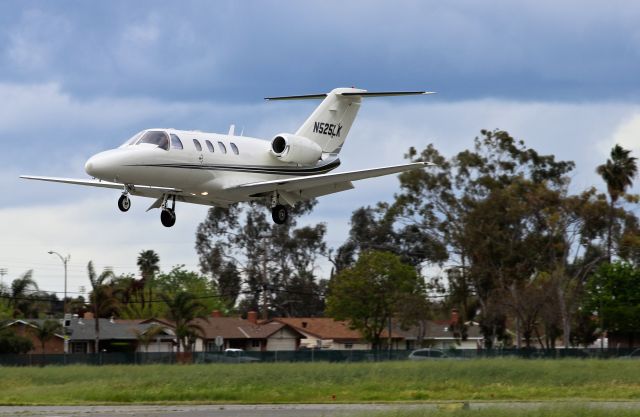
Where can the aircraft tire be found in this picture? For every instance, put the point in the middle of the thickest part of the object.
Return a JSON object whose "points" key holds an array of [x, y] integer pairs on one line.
{"points": [[124, 203], [279, 214], [168, 217]]}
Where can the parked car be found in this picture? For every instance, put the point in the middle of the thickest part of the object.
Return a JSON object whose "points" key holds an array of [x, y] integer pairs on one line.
{"points": [[427, 353], [238, 355], [228, 356]]}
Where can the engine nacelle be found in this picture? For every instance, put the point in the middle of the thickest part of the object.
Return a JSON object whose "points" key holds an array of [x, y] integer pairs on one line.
{"points": [[291, 148]]}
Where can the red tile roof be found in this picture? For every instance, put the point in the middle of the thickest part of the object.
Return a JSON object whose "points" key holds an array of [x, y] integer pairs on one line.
{"points": [[322, 327]]}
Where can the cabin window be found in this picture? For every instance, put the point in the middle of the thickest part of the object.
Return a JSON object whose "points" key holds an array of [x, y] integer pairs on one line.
{"points": [[155, 137], [234, 148], [198, 146], [223, 148], [209, 145], [176, 143]]}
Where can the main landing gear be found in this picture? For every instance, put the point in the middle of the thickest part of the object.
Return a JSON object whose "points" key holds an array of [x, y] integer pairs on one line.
{"points": [[279, 212], [168, 214], [124, 203]]}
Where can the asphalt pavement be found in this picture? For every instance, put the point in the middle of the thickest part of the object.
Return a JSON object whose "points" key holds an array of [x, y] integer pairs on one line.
{"points": [[282, 410]]}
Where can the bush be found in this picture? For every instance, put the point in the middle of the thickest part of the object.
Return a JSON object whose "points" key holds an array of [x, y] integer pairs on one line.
{"points": [[13, 343]]}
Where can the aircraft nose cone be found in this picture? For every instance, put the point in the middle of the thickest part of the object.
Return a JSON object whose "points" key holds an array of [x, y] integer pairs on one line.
{"points": [[101, 166], [88, 167]]}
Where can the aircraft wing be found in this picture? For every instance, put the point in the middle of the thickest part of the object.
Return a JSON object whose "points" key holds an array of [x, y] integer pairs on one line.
{"points": [[104, 184], [340, 181]]}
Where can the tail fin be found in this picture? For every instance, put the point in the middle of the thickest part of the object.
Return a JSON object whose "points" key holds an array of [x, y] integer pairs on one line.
{"points": [[331, 121]]}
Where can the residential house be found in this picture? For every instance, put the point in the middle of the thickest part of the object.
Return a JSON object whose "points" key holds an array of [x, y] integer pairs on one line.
{"points": [[327, 333], [238, 333], [26, 329], [439, 334], [115, 336]]}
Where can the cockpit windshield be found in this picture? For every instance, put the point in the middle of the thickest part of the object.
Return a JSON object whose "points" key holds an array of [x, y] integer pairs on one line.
{"points": [[155, 137], [132, 140]]}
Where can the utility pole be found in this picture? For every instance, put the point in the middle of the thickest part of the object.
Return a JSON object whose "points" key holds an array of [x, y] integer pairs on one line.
{"points": [[265, 276], [64, 260]]}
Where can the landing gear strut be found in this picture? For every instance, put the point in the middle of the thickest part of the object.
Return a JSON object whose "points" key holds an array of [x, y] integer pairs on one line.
{"points": [[124, 203], [279, 212], [168, 215]]}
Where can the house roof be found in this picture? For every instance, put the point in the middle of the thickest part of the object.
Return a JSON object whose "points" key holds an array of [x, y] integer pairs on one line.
{"points": [[84, 329], [232, 327], [30, 323], [437, 329], [322, 327], [237, 328]]}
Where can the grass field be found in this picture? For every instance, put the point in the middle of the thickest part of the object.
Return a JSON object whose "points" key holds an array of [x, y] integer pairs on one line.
{"points": [[488, 379]]}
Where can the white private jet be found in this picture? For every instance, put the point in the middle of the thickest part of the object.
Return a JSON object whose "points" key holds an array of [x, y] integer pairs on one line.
{"points": [[216, 169]]}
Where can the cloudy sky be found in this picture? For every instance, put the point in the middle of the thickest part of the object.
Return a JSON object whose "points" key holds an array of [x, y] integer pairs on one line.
{"points": [[80, 77]]}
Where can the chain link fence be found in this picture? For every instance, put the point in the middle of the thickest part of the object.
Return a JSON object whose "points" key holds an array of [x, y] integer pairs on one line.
{"points": [[311, 355]]}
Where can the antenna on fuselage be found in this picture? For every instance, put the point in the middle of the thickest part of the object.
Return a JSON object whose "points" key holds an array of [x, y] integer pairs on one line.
{"points": [[232, 130]]}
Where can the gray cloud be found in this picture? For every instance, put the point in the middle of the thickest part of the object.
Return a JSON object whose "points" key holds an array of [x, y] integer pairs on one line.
{"points": [[199, 50]]}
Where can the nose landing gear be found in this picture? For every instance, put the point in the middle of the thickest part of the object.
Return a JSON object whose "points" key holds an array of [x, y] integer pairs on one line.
{"points": [[168, 217]]}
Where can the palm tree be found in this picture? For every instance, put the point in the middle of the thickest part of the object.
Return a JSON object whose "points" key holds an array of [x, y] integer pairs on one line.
{"points": [[101, 298], [146, 337], [22, 289], [618, 173], [45, 331], [148, 262], [183, 308]]}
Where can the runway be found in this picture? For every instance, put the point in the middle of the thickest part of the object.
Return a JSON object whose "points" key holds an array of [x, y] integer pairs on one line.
{"points": [[282, 410]]}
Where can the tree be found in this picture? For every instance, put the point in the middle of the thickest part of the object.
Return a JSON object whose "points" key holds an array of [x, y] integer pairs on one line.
{"points": [[22, 290], [183, 308], [370, 293], [45, 331], [374, 228], [243, 251], [229, 284], [618, 173], [180, 280], [148, 262], [101, 299], [486, 208], [613, 292]]}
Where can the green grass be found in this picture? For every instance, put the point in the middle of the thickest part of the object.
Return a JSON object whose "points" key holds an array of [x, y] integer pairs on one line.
{"points": [[477, 380]]}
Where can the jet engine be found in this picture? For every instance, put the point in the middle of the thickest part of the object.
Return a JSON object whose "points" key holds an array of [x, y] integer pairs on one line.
{"points": [[298, 149]]}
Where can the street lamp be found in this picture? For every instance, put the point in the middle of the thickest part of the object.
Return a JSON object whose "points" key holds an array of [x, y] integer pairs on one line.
{"points": [[64, 261]]}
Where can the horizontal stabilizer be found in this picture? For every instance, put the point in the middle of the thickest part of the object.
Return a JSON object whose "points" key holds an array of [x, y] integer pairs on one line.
{"points": [[305, 97], [360, 93], [389, 93]]}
